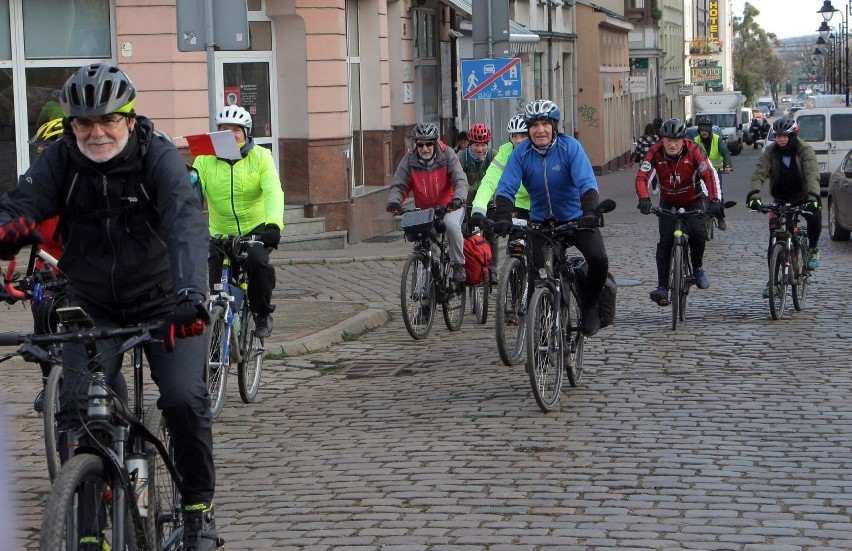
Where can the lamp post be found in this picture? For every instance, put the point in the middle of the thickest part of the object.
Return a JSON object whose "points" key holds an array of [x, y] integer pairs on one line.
{"points": [[830, 36], [818, 58], [827, 11]]}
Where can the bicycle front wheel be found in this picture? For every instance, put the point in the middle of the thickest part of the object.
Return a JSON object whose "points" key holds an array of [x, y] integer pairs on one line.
{"points": [[685, 282], [479, 300], [801, 274], [777, 280], [676, 282], [417, 296], [510, 311], [51, 408], [251, 366], [80, 509], [163, 525], [218, 360], [544, 351], [572, 337], [453, 301]]}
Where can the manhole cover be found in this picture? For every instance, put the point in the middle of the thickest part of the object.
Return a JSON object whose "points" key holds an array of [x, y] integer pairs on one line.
{"points": [[383, 239], [293, 293], [627, 282], [371, 369]]}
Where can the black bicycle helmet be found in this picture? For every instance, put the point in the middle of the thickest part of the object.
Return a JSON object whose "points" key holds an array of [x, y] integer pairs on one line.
{"points": [[673, 128], [426, 131], [704, 123], [785, 125], [97, 89]]}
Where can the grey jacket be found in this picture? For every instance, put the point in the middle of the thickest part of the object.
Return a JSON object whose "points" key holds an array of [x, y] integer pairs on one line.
{"points": [[768, 166]]}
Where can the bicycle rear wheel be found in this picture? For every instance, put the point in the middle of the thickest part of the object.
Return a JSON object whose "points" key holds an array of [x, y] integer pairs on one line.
{"points": [[79, 509], [164, 524], [453, 301], [676, 282], [544, 352], [685, 282], [51, 408], [479, 300], [777, 280], [417, 296], [572, 337], [801, 274], [250, 368], [218, 361], [510, 311]]}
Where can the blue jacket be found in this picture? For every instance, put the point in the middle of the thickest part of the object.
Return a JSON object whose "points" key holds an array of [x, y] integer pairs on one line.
{"points": [[555, 181]]}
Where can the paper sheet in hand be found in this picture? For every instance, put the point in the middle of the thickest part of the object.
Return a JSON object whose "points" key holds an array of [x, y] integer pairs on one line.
{"points": [[222, 144]]}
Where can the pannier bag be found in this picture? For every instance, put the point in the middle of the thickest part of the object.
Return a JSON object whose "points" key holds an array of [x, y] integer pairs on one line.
{"points": [[477, 258], [418, 224], [606, 304]]}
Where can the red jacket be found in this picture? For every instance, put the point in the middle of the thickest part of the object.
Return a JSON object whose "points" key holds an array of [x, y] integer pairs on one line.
{"points": [[678, 183], [433, 185]]}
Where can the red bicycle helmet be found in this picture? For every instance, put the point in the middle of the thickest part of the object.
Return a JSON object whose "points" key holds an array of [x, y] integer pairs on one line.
{"points": [[479, 133]]}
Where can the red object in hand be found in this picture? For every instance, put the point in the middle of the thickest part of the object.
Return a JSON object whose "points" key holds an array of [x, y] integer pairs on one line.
{"points": [[194, 329], [16, 229]]}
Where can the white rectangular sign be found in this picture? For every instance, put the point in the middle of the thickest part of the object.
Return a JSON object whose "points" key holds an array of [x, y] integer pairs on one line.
{"points": [[637, 84]]}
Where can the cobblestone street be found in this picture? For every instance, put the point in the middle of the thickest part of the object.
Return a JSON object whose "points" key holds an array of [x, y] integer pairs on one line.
{"points": [[733, 432]]}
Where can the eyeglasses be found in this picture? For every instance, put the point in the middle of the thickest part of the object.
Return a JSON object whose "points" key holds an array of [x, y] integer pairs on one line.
{"points": [[105, 122], [421, 145]]}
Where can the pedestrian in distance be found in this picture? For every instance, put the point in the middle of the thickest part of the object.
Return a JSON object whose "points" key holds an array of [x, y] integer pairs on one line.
{"points": [[562, 187], [643, 144], [245, 197], [135, 248], [687, 179], [432, 173]]}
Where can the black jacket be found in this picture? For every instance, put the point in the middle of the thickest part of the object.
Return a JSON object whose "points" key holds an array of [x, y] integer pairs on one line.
{"points": [[133, 228]]}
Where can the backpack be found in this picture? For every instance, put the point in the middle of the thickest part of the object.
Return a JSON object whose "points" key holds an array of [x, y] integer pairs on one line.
{"points": [[477, 259]]}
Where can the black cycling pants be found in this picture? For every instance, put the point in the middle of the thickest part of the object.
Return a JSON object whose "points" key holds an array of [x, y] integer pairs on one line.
{"points": [[697, 239], [261, 277]]}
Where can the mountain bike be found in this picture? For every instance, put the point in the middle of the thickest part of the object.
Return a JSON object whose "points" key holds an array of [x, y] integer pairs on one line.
{"points": [[788, 258], [230, 336], [427, 276], [121, 489], [554, 341], [680, 266], [510, 308]]}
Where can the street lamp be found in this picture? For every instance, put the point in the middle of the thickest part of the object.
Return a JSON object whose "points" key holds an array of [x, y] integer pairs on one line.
{"points": [[832, 58], [827, 11]]}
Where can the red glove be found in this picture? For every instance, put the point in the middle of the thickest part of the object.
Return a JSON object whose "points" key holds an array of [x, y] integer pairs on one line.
{"points": [[15, 234], [189, 319]]}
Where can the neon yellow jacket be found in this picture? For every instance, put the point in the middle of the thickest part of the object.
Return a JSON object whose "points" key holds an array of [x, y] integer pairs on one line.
{"points": [[241, 196], [492, 177]]}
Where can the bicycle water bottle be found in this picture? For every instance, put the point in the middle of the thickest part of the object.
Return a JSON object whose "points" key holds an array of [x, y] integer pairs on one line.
{"points": [[100, 400], [547, 254], [137, 467]]}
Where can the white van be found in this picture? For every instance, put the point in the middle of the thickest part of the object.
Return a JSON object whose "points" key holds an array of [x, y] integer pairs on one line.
{"points": [[829, 131]]}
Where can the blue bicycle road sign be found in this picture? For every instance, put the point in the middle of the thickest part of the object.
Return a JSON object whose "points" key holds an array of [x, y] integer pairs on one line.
{"points": [[491, 78]]}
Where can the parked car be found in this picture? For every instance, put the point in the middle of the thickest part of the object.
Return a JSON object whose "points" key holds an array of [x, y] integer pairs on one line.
{"points": [[764, 143], [840, 200], [795, 106]]}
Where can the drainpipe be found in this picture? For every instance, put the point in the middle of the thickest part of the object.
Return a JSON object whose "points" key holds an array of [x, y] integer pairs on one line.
{"points": [[549, 51]]}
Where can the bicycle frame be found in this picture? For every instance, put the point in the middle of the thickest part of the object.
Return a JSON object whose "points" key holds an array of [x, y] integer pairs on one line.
{"points": [[225, 299]]}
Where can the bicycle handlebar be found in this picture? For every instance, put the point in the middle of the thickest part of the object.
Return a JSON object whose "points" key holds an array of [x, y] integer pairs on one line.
{"points": [[678, 212], [784, 209], [235, 244], [149, 331]]}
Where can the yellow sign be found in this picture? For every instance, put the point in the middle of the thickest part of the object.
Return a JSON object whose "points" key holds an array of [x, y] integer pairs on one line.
{"points": [[713, 14]]}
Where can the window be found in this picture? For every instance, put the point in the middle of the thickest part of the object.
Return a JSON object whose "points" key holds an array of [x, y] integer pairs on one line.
{"points": [[841, 128], [812, 128], [64, 29], [425, 35]]}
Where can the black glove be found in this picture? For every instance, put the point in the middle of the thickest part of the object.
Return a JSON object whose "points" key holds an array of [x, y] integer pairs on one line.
{"points": [[270, 235], [393, 207], [715, 208], [477, 219], [644, 205], [15, 234], [754, 203], [811, 206], [502, 227], [455, 204], [588, 220], [190, 316]]}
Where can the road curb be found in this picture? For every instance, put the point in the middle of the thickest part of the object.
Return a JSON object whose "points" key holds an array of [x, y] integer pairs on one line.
{"points": [[357, 324]]}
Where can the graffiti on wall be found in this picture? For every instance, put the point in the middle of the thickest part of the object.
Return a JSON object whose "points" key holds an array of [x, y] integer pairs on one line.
{"points": [[589, 114]]}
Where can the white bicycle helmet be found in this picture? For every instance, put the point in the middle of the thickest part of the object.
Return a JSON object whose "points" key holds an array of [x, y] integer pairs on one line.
{"points": [[517, 125], [541, 109], [234, 114]]}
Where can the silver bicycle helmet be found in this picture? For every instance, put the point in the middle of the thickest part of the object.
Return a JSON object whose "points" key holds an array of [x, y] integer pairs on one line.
{"points": [[785, 125], [673, 129], [517, 125], [234, 114], [97, 89], [541, 109], [426, 131]]}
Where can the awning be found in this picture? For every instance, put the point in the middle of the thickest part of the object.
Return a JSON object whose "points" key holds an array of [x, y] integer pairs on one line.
{"points": [[521, 39]]}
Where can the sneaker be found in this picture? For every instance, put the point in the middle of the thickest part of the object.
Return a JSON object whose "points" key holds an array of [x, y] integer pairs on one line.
{"points": [[38, 404], [660, 295], [199, 532], [263, 326], [813, 259], [591, 323], [701, 280], [459, 275], [721, 224], [493, 277]]}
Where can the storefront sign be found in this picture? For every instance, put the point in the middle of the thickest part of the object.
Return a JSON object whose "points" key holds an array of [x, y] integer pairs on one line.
{"points": [[706, 75]]}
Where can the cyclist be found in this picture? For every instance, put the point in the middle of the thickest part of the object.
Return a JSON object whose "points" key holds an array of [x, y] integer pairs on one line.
{"points": [[431, 171], [462, 141], [135, 251], [562, 187], [44, 321], [678, 164], [245, 197], [475, 160], [791, 167], [719, 155]]}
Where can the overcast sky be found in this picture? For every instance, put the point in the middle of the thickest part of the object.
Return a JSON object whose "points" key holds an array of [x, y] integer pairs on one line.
{"points": [[788, 18]]}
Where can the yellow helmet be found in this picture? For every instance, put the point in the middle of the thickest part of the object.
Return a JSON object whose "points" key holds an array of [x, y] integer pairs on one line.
{"points": [[48, 132]]}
